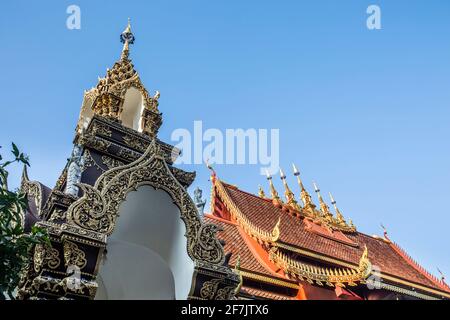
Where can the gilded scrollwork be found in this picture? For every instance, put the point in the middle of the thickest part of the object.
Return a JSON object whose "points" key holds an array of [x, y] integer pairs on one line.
{"points": [[61, 180], [74, 255], [111, 162], [57, 215], [135, 143], [339, 277], [210, 290], [33, 189], [90, 140], [99, 128], [89, 161], [98, 209], [45, 256]]}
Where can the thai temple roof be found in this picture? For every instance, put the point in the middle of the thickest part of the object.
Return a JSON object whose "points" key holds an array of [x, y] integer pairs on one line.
{"points": [[254, 227], [282, 247]]}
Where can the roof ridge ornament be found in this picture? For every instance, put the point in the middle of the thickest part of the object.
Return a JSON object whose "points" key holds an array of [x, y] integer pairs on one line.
{"points": [[304, 195], [339, 216], [261, 192], [442, 275], [127, 38], [273, 192], [290, 197], [323, 206]]}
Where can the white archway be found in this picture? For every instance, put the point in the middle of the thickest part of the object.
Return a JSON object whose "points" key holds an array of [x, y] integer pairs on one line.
{"points": [[146, 254], [133, 107]]}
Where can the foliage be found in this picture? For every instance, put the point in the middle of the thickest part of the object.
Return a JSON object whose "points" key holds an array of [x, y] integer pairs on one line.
{"points": [[15, 244]]}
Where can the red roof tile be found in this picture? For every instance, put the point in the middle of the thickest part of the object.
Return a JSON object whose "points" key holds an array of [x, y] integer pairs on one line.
{"points": [[235, 244], [259, 293], [262, 213]]}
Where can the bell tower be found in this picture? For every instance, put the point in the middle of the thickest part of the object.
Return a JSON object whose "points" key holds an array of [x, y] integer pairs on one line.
{"points": [[120, 214], [120, 96]]}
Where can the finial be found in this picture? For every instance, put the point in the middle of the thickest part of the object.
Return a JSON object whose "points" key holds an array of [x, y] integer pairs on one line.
{"points": [[442, 275], [290, 198], [128, 28], [126, 38], [339, 216], [350, 223], [282, 175], [323, 206], [316, 189], [273, 192], [304, 195], [210, 167], [261, 192], [385, 233]]}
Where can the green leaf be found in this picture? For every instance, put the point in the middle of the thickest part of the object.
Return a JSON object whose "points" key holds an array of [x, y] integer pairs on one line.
{"points": [[15, 150]]}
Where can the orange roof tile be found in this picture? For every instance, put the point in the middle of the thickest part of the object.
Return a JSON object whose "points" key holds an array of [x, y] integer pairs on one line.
{"points": [[235, 244], [262, 213], [259, 293]]}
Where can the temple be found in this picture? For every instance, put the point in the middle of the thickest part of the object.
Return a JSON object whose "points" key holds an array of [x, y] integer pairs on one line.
{"points": [[123, 226], [288, 251]]}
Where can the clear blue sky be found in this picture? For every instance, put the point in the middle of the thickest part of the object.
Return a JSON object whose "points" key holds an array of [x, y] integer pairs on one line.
{"points": [[364, 113]]}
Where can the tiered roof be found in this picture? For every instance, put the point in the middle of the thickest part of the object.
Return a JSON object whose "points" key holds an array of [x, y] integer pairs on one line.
{"points": [[288, 246]]}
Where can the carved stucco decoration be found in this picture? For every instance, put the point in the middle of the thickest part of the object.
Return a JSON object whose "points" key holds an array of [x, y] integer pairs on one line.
{"points": [[74, 255], [108, 97], [45, 256], [210, 290], [33, 189], [98, 208]]}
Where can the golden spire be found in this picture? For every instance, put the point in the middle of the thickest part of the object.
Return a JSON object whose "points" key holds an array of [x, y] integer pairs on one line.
{"points": [[290, 198], [304, 195], [323, 206], [261, 192], [126, 38], [339, 216], [273, 192]]}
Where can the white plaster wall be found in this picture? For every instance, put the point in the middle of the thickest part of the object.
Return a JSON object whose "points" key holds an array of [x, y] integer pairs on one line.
{"points": [[133, 106], [147, 253]]}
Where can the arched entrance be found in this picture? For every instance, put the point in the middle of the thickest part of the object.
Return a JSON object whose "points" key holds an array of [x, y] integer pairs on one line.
{"points": [[146, 254]]}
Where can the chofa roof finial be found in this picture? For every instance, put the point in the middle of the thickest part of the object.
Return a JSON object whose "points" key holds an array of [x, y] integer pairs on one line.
{"points": [[273, 192], [385, 233], [127, 38], [261, 192], [290, 198], [323, 206], [339, 216]]}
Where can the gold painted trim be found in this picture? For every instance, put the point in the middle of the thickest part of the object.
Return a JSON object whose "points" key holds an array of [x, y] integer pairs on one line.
{"points": [[254, 231], [344, 264], [418, 286], [254, 276], [338, 277]]}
